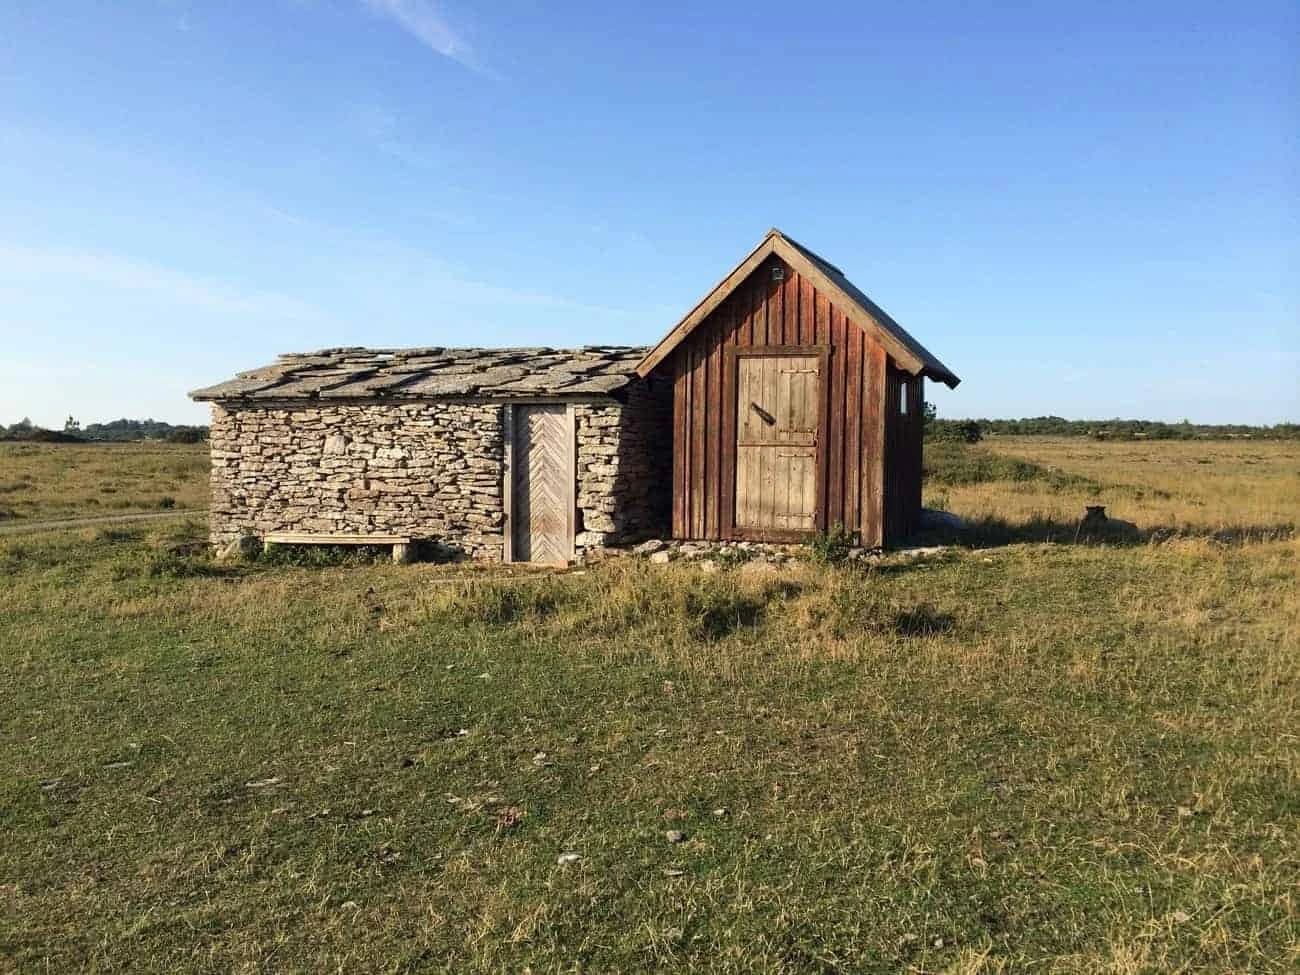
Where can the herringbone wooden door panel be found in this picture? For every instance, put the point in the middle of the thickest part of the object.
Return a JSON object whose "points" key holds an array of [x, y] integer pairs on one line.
{"points": [[542, 488]]}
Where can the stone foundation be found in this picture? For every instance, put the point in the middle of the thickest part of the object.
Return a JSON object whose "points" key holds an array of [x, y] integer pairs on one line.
{"points": [[432, 470]]}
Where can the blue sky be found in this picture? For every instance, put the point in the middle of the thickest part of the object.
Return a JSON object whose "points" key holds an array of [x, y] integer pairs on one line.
{"points": [[1085, 209]]}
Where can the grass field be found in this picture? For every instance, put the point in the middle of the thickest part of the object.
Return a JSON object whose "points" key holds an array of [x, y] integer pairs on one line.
{"points": [[50, 481], [1017, 755]]}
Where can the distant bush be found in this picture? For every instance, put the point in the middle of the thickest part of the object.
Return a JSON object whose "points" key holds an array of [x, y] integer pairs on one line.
{"points": [[188, 435], [959, 431], [33, 434]]}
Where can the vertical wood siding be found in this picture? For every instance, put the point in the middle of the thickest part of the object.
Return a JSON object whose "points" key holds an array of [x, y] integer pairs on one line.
{"points": [[903, 437], [790, 312]]}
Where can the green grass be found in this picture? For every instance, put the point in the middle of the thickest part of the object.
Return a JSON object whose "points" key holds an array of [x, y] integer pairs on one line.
{"points": [[1052, 757]]}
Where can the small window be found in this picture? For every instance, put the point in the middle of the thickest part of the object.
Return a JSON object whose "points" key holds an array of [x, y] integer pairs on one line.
{"points": [[902, 399]]}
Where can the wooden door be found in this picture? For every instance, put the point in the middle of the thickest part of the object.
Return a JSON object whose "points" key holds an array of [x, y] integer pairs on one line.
{"points": [[542, 484], [778, 405]]}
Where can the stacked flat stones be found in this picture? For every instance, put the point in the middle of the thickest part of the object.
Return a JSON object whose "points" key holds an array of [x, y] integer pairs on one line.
{"points": [[434, 373], [412, 442]]}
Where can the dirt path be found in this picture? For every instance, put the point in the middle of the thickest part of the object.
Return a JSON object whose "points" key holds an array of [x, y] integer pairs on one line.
{"points": [[23, 528]]}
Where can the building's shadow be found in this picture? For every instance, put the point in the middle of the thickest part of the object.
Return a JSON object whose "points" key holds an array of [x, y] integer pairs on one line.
{"points": [[994, 532]]}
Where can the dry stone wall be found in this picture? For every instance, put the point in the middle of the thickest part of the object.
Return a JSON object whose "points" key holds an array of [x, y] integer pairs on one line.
{"points": [[624, 465], [432, 470], [429, 470]]}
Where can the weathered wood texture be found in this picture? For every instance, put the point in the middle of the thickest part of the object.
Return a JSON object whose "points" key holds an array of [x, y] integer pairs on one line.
{"points": [[789, 312], [903, 437], [542, 475], [777, 414]]}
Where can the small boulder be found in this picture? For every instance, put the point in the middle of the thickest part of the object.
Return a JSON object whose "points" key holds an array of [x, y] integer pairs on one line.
{"points": [[650, 547], [675, 836], [240, 549], [661, 558]]}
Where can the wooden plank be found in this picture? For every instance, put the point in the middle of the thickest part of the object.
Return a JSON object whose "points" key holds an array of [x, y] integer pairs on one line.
{"points": [[699, 406], [835, 433], [822, 336], [753, 304], [727, 467], [853, 428], [680, 447], [878, 452], [333, 538], [767, 466], [688, 454], [780, 350], [782, 393], [823, 438], [790, 308], [806, 333], [745, 484], [713, 428], [507, 483], [570, 481]]}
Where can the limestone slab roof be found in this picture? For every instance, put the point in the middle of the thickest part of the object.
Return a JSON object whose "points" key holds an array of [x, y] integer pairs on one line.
{"points": [[434, 373]]}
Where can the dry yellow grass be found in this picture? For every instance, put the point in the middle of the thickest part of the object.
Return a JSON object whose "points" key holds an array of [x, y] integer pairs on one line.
{"points": [[1213, 485], [49, 481]]}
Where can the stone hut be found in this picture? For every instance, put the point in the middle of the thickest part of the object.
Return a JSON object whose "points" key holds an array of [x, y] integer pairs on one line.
{"points": [[497, 454], [785, 403]]}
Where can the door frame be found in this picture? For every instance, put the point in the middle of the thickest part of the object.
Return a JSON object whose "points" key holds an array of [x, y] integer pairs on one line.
{"points": [[731, 356], [510, 427]]}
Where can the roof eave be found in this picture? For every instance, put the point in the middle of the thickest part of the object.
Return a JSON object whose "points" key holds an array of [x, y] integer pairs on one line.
{"points": [[949, 379]]}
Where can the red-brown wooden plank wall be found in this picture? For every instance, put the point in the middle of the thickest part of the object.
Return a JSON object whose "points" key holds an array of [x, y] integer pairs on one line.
{"points": [[903, 437], [788, 312]]}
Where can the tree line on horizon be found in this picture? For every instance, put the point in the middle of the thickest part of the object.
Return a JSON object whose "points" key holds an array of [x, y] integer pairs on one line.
{"points": [[973, 430], [114, 431], [966, 430]]}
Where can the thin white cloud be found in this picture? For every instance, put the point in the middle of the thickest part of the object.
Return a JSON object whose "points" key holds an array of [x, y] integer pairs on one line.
{"points": [[126, 274], [423, 20]]}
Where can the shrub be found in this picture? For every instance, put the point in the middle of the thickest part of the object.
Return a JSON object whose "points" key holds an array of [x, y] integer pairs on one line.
{"points": [[323, 556], [832, 547]]}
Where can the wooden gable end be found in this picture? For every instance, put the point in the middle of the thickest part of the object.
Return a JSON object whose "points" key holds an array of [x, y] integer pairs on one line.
{"points": [[778, 308]]}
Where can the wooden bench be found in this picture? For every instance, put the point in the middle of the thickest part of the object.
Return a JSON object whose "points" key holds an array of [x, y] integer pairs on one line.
{"points": [[403, 550]]}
